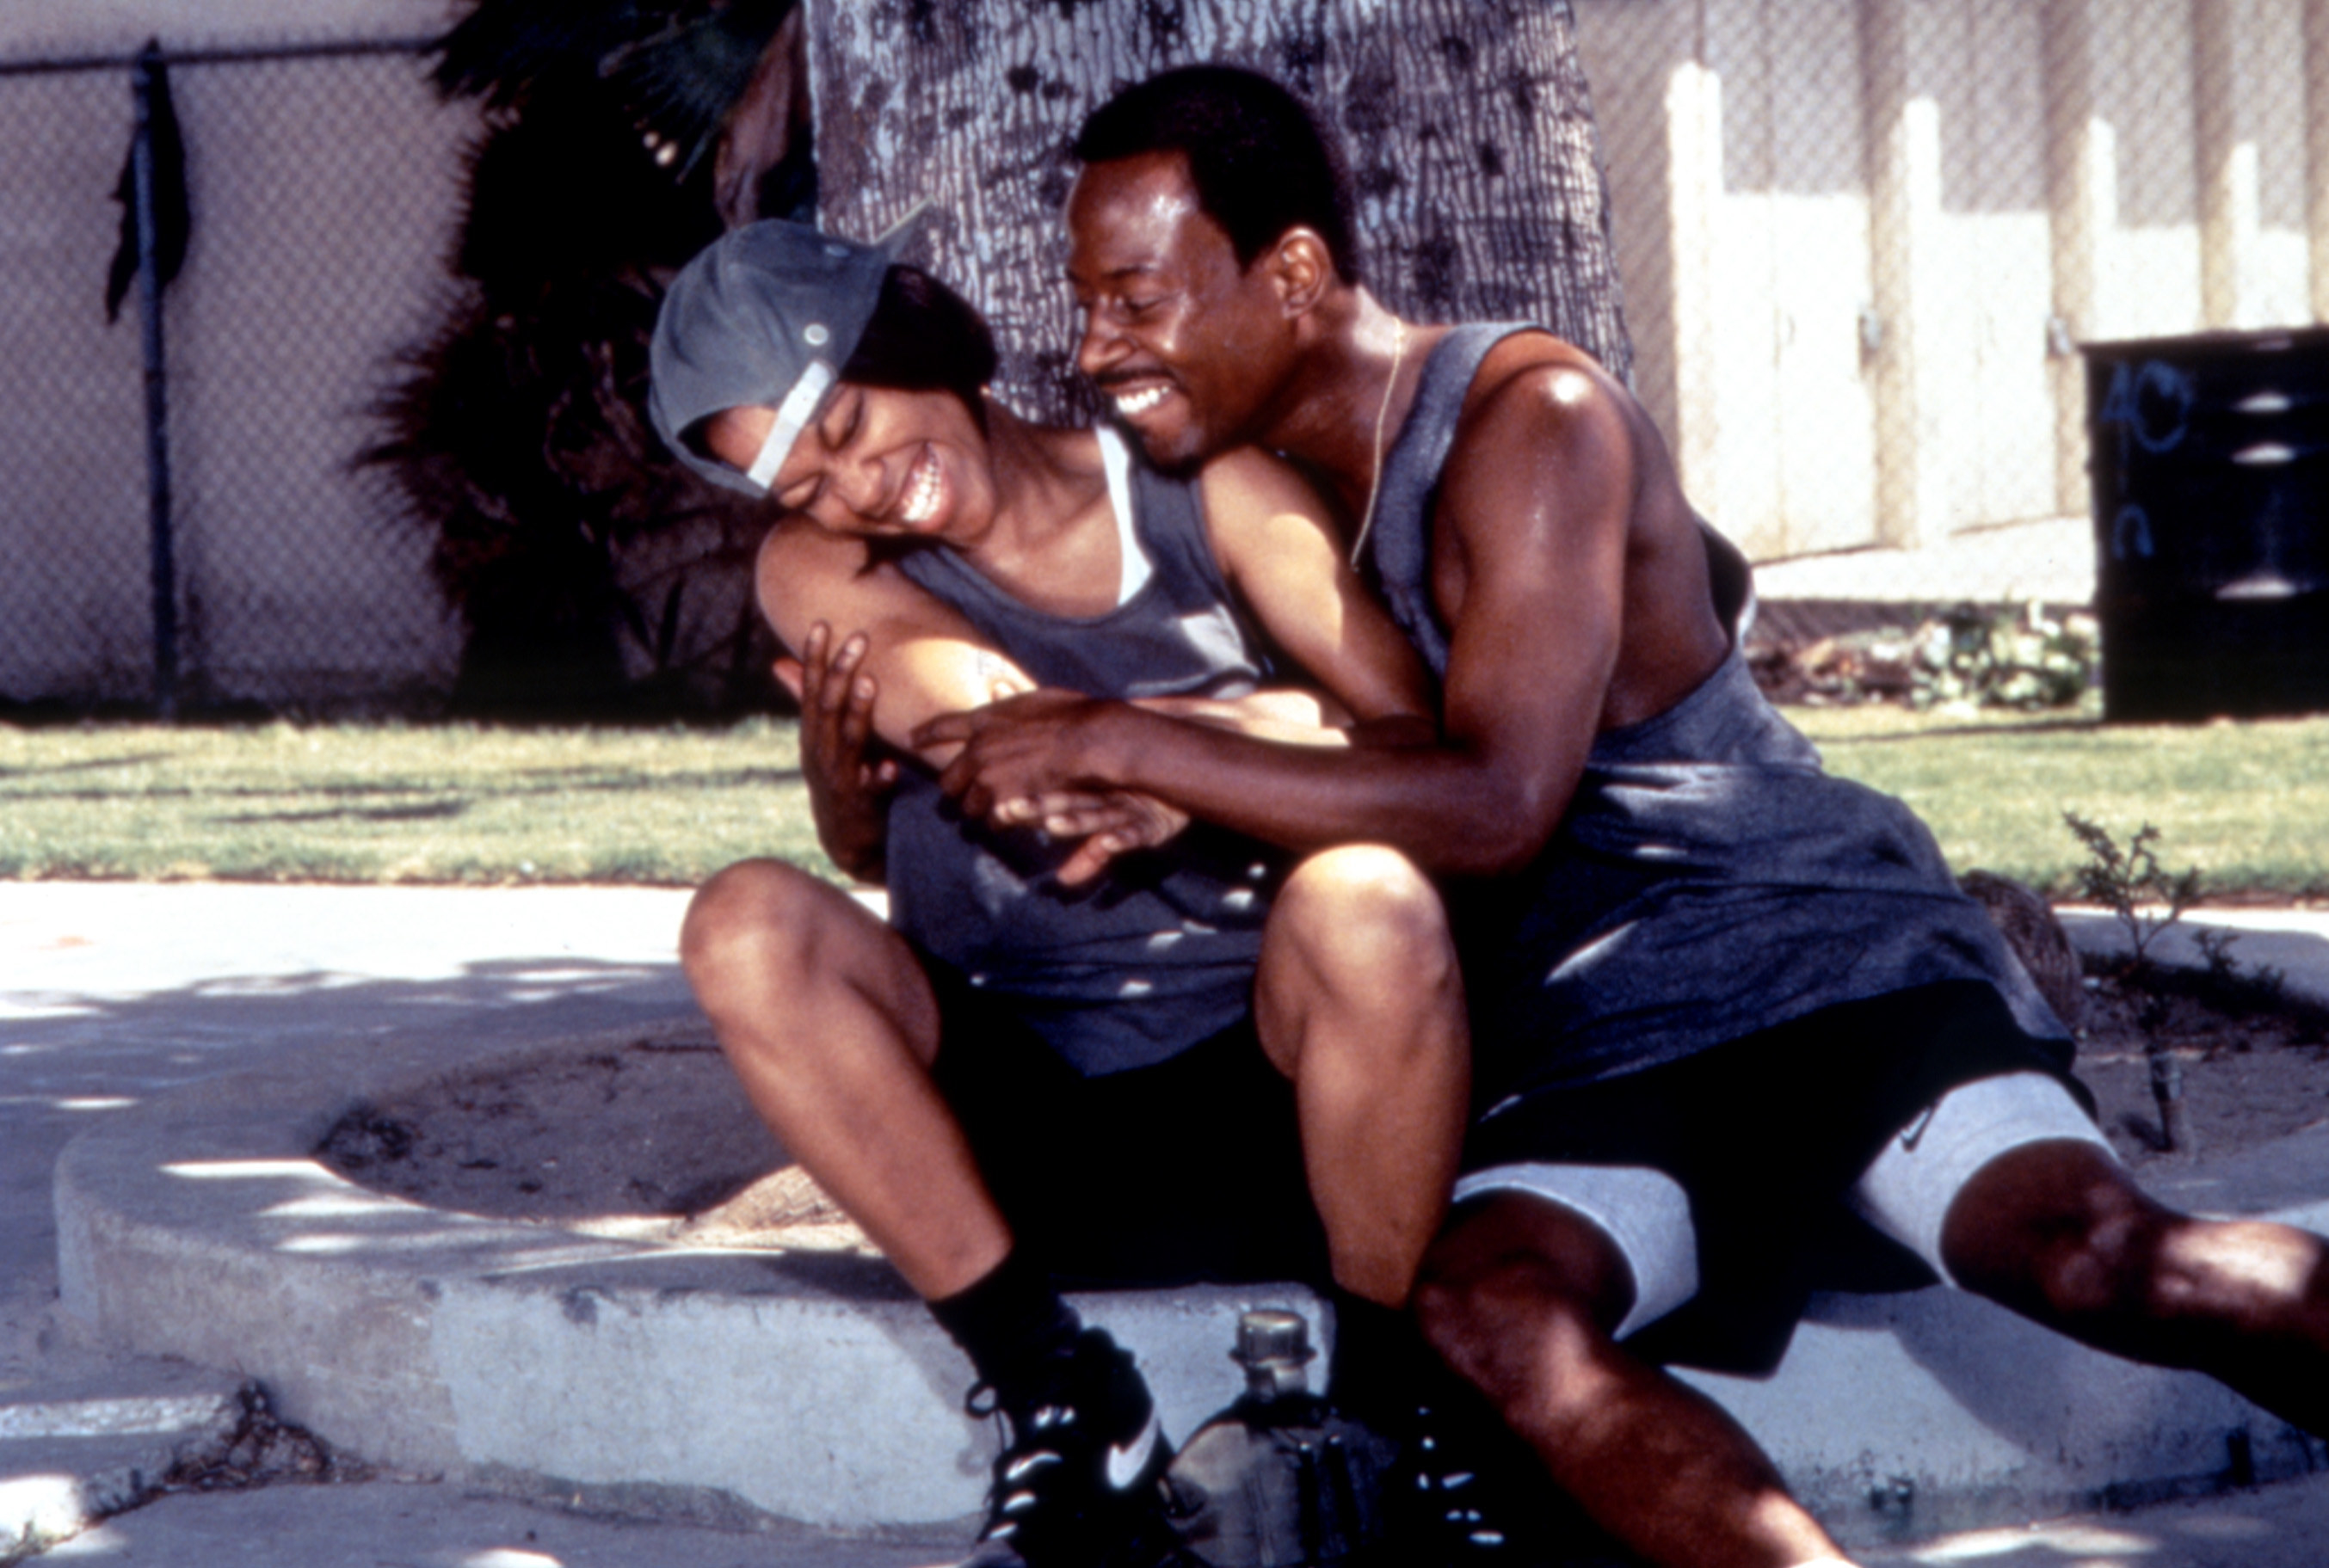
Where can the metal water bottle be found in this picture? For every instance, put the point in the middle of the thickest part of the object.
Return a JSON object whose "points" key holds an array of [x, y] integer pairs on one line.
{"points": [[1279, 1479]]}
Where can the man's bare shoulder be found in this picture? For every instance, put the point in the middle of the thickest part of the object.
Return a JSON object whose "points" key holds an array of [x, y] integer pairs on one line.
{"points": [[1543, 430], [1548, 382], [1564, 466]]}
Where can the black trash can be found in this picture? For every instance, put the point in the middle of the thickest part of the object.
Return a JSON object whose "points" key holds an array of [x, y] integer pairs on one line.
{"points": [[2210, 464]]}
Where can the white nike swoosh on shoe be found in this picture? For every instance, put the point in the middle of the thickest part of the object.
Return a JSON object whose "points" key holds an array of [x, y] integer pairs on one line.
{"points": [[1126, 1460]]}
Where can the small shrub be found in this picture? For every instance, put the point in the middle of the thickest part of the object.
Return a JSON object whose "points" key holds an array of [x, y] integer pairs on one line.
{"points": [[2126, 880], [1992, 655], [2002, 658]]}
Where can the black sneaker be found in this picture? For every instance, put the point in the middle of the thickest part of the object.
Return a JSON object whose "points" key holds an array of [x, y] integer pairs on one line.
{"points": [[1077, 1486], [1468, 1493], [1444, 1506]]}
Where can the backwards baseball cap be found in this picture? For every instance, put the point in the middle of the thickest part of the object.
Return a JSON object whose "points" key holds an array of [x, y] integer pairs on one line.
{"points": [[765, 316]]}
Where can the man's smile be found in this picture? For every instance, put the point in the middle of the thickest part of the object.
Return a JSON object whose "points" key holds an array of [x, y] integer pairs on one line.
{"points": [[1140, 400]]}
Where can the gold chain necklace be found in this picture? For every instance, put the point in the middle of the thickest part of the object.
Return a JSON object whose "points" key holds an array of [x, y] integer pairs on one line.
{"points": [[1375, 482]]}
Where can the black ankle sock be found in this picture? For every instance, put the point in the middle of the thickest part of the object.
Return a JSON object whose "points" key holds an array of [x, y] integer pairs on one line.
{"points": [[1010, 1323], [1377, 1352], [1381, 1366]]}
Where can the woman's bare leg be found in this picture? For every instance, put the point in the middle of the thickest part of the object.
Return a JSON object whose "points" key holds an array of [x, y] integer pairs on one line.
{"points": [[829, 1021]]}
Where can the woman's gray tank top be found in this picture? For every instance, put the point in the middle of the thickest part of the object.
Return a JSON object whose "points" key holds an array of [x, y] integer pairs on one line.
{"points": [[1159, 953]]}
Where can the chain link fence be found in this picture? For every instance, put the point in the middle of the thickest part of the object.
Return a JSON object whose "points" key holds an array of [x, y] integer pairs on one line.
{"points": [[1864, 243], [322, 187]]}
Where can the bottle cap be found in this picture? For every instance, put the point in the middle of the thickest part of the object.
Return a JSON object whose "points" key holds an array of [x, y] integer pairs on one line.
{"points": [[1273, 1347]]}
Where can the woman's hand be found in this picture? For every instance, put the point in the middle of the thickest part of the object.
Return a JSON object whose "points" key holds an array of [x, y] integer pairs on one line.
{"points": [[848, 782], [1108, 824]]}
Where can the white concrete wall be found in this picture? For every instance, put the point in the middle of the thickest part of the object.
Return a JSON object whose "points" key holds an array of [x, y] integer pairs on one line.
{"points": [[71, 27], [1858, 235]]}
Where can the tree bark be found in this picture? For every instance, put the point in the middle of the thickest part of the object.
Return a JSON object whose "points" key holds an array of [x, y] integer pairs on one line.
{"points": [[1466, 124]]}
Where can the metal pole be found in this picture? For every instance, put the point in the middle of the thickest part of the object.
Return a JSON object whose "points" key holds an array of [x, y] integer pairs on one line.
{"points": [[143, 78]]}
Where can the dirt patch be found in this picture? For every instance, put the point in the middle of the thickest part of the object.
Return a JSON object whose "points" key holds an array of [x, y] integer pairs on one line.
{"points": [[2255, 1067], [651, 1139], [655, 1140], [263, 1451]]}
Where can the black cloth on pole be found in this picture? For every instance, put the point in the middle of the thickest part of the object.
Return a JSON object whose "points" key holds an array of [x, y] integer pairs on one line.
{"points": [[173, 217]]}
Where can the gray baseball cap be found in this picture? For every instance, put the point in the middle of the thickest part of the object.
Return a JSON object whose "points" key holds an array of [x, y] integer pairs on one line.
{"points": [[764, 316]]}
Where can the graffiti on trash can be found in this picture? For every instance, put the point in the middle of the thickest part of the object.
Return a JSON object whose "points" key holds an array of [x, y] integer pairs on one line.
{"points": [[2150, 405], [2130, 536]]}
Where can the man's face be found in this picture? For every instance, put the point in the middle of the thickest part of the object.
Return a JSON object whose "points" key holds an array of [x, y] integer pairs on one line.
{"points": [[1184, 343]]}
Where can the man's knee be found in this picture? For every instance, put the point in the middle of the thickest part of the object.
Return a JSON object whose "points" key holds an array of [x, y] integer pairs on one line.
{"points": [[2062, 1228], [2145, 1265], [1517, 1288], [1363, 913]]}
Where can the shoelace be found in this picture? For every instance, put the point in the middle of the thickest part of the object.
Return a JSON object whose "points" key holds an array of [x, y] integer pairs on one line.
{"points": [[1457, 1513], [1011, 1498], [1015, 1496]]}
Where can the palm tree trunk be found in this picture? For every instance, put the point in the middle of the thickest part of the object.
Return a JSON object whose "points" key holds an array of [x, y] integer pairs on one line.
{"points": [[1467, 123]]}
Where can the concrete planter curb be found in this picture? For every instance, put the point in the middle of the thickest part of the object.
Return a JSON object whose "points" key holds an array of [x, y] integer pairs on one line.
{"points": [[729, 1386], [710, 1384]]}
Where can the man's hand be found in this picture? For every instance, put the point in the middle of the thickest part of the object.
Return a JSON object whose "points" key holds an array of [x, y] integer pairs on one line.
{"points": [[848, 786], [1109, 824], [1017, 752], [1017, 768]]}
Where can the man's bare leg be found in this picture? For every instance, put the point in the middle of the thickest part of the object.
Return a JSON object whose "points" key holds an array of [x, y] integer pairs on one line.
{"points": [[1521, 1296], [1359, 1001], [830, 1022], [2059, 1232]]}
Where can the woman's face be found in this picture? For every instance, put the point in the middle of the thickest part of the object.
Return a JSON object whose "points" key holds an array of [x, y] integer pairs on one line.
{"points": [[875, 461]]}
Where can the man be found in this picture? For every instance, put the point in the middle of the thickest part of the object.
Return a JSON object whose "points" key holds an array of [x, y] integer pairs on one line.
{"points": [[1731, 1016]]}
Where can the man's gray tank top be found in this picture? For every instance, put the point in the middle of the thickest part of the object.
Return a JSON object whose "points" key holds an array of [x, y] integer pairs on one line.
{"points": [[1709, 880], [1159, 952]]}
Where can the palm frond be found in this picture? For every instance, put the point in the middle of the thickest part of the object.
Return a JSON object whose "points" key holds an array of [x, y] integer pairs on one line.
{"points": [[503, 47], [680, 81]]}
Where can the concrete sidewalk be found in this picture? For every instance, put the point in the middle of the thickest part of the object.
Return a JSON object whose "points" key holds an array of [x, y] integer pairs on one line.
{"points": [[111, 994]]}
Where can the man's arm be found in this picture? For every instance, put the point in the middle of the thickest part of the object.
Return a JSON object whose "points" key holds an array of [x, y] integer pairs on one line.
{"points": [[1530, 572], [1277, 548]]}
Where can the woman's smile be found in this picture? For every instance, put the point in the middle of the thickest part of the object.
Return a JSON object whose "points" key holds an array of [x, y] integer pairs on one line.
{"points": [[925, 489]]}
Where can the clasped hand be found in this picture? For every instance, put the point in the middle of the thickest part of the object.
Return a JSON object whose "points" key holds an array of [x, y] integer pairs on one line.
{"points": [[1019, 766]]}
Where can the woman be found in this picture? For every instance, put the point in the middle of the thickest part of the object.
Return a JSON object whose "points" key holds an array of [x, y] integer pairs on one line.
{"points": [[1063, 1059]]}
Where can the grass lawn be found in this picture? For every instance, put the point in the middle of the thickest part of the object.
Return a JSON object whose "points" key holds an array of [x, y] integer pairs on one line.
{"points": [[388, 803], [2246, 803], [2249, 803]]}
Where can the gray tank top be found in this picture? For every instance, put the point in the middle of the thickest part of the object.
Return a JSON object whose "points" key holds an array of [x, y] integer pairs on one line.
{"points": [[1709, 880], [1159, 953]]}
